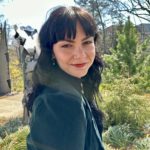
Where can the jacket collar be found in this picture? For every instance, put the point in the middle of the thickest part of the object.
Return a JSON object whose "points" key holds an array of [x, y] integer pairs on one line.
{"points": [[62, 78]]}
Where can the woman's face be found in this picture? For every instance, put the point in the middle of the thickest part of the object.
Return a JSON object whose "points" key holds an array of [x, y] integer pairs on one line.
{"points": [[76, 56]]}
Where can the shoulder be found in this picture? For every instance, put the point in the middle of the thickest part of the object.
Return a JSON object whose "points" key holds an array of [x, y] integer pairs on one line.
{"points": [[59, 94], [59, 102], [57, 117]]}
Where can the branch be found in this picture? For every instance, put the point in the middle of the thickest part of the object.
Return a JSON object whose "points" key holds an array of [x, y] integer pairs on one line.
{"points": [[135, 9]]}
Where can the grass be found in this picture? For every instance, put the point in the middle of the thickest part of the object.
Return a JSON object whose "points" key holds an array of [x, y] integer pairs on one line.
{"points": [[15, 141], [10, 126]]}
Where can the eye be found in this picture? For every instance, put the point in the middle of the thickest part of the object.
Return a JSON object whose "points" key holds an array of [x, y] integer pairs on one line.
{"points": [[87, 42], [66, 46]]}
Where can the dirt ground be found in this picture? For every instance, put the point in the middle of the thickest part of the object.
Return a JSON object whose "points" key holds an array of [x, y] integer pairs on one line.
{"points": [[11, 106]]}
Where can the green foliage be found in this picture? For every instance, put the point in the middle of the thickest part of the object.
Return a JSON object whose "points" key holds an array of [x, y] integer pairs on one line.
{"points": [[108, 147], [10, 127], [125, 90], [143, 65], [142, 144], [144, 83], [119, 136], [117, 66], [16, 73], [123, 58], [15, 141], [16, 76], [123, 137], [143, 50], [122, 105]]}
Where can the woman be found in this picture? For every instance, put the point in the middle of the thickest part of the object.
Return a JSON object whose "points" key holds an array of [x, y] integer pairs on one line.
{"points": [[66, 84]]}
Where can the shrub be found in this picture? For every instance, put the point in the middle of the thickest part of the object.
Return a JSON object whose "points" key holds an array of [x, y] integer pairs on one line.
{"points": [[108, 147], [10, 127], [15, 141], [16, 72], [119, 136], [16, 76], [142, 144], [122, 105]]}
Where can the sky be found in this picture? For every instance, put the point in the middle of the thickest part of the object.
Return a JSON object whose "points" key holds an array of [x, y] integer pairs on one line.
{"points": [[33, 12], [30, 12]]}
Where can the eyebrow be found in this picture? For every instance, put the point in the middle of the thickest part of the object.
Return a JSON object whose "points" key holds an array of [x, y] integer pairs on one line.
{"points": [[72, 41]]}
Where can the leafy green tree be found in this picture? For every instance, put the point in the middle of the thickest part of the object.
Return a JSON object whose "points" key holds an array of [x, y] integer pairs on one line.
{"points": [[123, 58], [143, 65]]}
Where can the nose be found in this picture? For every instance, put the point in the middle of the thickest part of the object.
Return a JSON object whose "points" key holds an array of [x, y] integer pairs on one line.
{"points": [[79, 52]]}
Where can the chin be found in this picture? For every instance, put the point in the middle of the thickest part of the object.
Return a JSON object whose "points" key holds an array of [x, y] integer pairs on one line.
{"points": [[80, 75]]}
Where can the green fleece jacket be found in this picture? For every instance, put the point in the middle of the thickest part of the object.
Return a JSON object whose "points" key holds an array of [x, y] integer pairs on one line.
{"points": [[62, 118]]}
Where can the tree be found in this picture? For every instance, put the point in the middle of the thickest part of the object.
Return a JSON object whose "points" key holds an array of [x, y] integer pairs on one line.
{"points": [[104, 14], [123, 58], [5, 82], [139, 8]]}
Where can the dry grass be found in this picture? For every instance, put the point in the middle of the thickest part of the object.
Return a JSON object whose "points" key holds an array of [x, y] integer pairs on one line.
{"points": [[10, 107]]}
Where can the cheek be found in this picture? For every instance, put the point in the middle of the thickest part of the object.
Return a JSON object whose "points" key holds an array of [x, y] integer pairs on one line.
{"points": [[57, 53], [92, 53], [93, 56], [58, 57], [61, 58]]}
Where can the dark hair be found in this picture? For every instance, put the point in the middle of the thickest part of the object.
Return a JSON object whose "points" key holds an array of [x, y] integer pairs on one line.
{"points": [[61, 24]]}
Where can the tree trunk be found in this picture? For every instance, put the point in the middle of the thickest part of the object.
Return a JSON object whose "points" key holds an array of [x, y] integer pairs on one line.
{"points": [[5, 86]]}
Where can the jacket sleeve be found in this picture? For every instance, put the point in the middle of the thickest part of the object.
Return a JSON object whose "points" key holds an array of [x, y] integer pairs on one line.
{"points": [[58, 123]]}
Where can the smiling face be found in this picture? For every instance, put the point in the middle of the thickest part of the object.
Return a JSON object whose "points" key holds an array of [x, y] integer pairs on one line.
{"points": [[75, 56]]}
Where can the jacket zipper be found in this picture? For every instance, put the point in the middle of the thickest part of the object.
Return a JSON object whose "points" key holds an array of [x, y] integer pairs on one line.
{"points": [[82, 90]]}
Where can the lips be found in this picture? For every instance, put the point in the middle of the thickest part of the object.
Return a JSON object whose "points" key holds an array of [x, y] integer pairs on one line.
{"points": [[79, 65]]}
